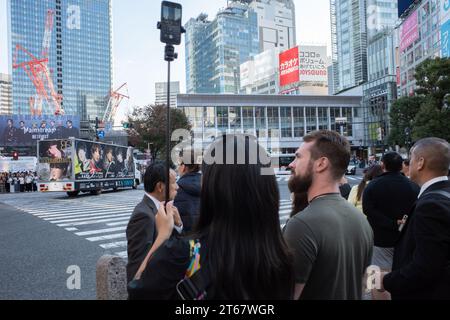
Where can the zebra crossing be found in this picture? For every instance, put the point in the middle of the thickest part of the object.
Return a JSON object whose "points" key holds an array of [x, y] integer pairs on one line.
{"points": [[285, 178], [101, 220]]}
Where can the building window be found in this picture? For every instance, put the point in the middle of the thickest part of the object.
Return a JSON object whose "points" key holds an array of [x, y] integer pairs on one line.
{"points": [[286, 122], [299, 122]]}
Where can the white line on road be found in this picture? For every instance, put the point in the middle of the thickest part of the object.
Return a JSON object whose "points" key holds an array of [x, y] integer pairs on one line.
{"points": [[94, 218], [108, 237], [73, 224], [88, 233], [113, 245]]}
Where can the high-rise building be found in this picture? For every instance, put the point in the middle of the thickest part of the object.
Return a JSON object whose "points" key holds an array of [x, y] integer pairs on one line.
{"points": [[215, 49], [259, 75], [352, 22], [5, 94], [276, 23], [423, 25], [161, 93], [76, 37]]}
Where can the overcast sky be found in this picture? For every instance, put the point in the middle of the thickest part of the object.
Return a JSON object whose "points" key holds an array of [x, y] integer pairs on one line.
{"points": [[138, 54]]}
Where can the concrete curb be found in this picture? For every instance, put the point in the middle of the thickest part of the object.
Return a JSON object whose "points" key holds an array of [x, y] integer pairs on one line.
{"points": [[111, 278]]}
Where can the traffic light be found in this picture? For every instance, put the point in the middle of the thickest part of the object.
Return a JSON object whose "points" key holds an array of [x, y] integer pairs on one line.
{"points": [[15, 155]]}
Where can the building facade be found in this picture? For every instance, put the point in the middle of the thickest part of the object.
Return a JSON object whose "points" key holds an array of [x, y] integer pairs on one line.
{"points": [[278, 121], [352, 21], [381, 89], [5, 94], [79, 53], [276, 23], [215, 49], [260, 75], [419, 39], [161, 93]]}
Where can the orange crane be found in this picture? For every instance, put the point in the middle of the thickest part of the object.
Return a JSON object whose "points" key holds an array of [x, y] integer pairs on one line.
{"points": [[39, 73], [115, 99]]}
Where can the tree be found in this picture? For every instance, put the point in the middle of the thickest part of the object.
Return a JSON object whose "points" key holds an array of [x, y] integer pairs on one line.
{"points": [[149, 125], [432, 122], [402, 116], [433, 81]]}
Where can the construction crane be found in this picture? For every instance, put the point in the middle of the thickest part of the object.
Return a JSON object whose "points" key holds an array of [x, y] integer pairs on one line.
{"points": [[39, 73], [115, 99]]}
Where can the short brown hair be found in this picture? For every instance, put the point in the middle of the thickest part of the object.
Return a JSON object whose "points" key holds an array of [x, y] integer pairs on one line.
{"points": [[333, 146], [436, 152]]}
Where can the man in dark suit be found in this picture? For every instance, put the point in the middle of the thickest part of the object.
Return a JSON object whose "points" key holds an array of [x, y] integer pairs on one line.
{"points": [[421, 268], [141, 229], [386, 200]]}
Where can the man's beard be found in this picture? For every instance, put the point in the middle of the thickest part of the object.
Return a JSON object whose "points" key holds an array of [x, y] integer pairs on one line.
{"points": [[301, 184]]}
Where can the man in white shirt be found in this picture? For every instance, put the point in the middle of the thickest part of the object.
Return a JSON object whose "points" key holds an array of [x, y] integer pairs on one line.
{"points": [[141, 229], [422, 256]]}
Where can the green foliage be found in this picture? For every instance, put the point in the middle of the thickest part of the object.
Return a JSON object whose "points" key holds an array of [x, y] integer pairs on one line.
{"points": [[427, 114], [402, 115], [149, 125]]}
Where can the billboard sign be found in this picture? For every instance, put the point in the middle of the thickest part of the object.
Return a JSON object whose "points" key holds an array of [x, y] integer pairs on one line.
{"points": [[409, 31], [313, 65], [27, 130], [55, 160], [288, 66], [95, 160]]}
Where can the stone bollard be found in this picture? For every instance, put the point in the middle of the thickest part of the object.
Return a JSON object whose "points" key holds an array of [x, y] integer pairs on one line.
{"points": [[111, 278]]}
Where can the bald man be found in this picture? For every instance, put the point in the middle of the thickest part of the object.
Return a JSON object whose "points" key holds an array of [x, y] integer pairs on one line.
{"points": [[421, 268]]}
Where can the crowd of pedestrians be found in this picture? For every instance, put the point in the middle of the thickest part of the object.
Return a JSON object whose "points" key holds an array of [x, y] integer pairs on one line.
{"points": [[218, 235], [18, 182]]}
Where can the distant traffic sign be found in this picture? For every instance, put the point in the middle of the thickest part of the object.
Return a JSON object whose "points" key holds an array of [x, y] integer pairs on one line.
{"points": [[101, 134]]}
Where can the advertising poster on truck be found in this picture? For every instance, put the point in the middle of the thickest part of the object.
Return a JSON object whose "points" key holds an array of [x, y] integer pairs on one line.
{"points": [[55, 160], [99, 161]]}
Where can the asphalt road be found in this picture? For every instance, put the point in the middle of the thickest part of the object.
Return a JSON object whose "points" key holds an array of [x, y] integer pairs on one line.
{"points": [[44, 235]]}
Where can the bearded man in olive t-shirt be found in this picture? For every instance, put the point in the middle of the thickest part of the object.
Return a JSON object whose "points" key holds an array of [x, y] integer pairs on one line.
{"points": [[331, 240]]}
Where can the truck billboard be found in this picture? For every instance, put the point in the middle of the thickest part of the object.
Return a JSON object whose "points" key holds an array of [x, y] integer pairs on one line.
{"points": [[75, 165]]}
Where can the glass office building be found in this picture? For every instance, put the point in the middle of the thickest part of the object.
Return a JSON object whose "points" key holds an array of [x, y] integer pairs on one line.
{"points": [[215, 49], [353, 23], [80, 53]]}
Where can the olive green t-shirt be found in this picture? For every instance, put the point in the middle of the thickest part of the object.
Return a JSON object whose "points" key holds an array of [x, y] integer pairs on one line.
{"points": [[332, 245]]}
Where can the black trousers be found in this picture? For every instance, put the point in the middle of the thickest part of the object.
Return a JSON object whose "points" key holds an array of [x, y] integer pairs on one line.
{"points": [[7, 187], [22, 188]]}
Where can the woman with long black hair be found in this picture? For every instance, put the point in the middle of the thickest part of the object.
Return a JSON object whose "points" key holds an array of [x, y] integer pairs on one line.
{"points": [[237, 250]]}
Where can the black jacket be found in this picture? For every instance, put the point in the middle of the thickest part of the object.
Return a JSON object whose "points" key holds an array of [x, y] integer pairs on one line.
{"points": [[387, 199], [187, 199], [141, 233], [421, 268]]}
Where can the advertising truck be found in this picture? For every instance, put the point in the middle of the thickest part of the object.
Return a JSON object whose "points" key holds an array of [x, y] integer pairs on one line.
{"points": [[74, 165]]}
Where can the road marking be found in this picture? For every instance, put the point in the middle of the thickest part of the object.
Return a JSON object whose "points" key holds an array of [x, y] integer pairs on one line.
{"points": [[93, 218], [88, 233], [113, 245], [108, 237]]}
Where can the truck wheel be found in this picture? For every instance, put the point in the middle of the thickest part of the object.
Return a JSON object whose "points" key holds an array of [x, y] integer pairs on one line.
{"points": [[96, 192], [135, 184], [73, 194]]}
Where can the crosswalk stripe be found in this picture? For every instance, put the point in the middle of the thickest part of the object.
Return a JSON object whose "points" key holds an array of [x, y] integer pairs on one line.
{"points": [[88, 233], [122, 254], [113, 245], [93, 218], [73, 224], [82, 214], [71, 210], [108, 237], [112, 224]]}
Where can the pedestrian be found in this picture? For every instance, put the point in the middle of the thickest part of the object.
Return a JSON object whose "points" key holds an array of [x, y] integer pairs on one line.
{"points": [[385, 201], [405, 168], [356, 193], [187, 200], [422, 256], [16, 183], [28, 182], [22, 182], [34, 183], [238, 247], [331, 240], [141, 230], [8, 182], [344, 187]]}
